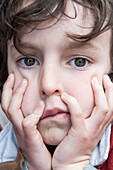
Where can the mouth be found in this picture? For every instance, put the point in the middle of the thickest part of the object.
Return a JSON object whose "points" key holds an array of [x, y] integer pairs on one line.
{"points": [[55, 113]]}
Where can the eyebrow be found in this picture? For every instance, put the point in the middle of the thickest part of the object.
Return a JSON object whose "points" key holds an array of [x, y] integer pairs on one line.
{"points": [[25, 46], [70, 45], [82, 44], [28, 45]]}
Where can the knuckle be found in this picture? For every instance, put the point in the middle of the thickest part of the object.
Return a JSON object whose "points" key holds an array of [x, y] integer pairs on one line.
{"points": [[86, 137], [17, 91], [79, 114], [105, 110], [25, 123], [10, 111], [111, 110]]}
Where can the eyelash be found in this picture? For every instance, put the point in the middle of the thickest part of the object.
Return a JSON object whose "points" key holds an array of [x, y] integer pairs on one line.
{"points": [[72, 62], [22, 61], [80, 64]]}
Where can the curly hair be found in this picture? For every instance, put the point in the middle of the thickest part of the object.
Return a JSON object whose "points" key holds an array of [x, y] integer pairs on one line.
{"points": [[14, 16]]}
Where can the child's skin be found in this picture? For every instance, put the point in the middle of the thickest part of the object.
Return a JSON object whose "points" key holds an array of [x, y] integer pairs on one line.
{"points": [[57, 81]]}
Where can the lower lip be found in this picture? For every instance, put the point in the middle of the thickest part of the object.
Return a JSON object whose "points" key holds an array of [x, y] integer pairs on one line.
{"points": [[58, 116]]}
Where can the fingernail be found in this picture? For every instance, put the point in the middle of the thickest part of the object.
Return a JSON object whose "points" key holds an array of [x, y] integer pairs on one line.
{"points": [[10, 77], [64, 94], [40, 104], [23, 82], [95, 80], [107, 78]]}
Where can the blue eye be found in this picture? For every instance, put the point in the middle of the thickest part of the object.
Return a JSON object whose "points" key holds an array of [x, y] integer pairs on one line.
{"points": [[28, 62], [79, 62]]}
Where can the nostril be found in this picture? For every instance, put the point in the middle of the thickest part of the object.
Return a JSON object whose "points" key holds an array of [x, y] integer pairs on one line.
{"points": [[52, 92], [43, 93], [57, 91]]}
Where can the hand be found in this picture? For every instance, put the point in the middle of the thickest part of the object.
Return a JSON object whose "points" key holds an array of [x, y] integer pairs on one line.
{"points": [[76, 148], [28, 137]]}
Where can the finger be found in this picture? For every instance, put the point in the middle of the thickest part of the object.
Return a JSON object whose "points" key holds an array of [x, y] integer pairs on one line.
{"points": [[74, 109], [101, 106], [108, 86], [7, 93], [14, 109], [29, 124]]}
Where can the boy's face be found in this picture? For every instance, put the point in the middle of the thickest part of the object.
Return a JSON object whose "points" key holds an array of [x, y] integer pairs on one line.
{"points": [[53, 64]]}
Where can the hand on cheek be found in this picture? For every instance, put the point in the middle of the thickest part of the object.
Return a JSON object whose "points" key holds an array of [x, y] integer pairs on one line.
{"points": [[28, 137], [75, 150], [102, 114], [11, 101]]}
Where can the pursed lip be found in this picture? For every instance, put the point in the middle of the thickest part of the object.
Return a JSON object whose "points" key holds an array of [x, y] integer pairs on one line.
{"points": [[53, 112]]}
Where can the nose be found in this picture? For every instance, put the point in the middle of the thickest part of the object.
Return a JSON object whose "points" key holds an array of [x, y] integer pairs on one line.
{"points": [[50, 82]]}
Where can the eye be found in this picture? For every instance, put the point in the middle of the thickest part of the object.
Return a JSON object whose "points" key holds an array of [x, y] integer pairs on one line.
{"points": [[79, 62], [28, 62]]}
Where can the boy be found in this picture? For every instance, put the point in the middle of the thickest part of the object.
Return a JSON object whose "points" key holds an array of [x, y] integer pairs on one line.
{"points": [[58, 95]]}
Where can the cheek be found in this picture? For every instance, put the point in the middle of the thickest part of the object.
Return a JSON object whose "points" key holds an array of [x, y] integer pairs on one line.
{"points": [[82, 91], [31, 95], [30, 99]]}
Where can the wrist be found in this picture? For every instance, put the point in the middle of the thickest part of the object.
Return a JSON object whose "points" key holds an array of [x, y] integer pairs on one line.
{"points": [[37, 167], [76, 166]]}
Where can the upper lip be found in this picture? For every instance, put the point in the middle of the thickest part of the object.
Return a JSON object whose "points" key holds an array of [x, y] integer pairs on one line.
{"points": [[52, 112]]}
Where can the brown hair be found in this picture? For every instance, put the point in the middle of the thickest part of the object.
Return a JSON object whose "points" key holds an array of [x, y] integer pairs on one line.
{"points": [[13, 17]]}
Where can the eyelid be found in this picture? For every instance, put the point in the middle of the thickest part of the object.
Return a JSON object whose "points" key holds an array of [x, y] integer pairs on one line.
{"points": [[26, 56], [82, 56]]}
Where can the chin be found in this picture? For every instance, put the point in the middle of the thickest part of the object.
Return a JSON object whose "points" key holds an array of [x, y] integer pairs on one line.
{"points": [[53, 136], [53, 131], [52, 140]]}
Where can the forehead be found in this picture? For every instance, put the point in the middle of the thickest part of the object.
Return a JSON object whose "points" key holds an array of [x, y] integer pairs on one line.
{"points": [[54, 34], [78, 20]]}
